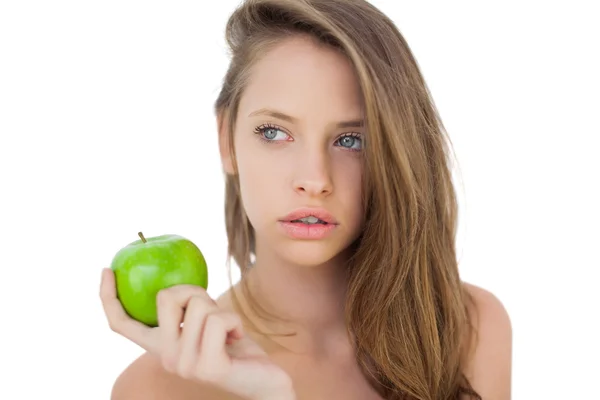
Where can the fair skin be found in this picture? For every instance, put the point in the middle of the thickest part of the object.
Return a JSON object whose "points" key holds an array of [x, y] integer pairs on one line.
{"points": [[307, 163]]}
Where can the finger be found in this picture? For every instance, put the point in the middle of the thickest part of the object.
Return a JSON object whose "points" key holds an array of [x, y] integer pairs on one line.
{"points": [[118, 320], [195, 315], [214, 361], [182, 293], [171, 307]]}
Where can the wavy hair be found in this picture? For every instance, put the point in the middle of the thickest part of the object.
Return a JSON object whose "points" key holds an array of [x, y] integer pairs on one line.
{"points": [[406, 307]]}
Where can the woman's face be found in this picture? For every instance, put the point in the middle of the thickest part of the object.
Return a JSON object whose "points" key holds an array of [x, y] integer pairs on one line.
{"points": [[298, 141]]}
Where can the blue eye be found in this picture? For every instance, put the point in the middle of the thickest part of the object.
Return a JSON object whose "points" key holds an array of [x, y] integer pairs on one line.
{"points": [[270, 133], [351, 141]]}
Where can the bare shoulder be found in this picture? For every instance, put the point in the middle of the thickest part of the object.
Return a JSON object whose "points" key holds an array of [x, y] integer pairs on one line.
{"points": [[145, 379], [489, 363]]}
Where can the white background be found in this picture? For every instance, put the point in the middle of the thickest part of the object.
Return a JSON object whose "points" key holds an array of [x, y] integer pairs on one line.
{"points": [[106, 129]]}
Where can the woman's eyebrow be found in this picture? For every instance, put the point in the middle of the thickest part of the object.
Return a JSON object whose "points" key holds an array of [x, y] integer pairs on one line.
{"points": [[358, 123]]}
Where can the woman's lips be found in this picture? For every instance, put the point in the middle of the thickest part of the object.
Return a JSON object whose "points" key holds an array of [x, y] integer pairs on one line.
{"points": [[300, 230]]}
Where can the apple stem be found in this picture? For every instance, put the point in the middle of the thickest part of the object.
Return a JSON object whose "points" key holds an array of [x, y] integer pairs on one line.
{"points": [[141, 235]]}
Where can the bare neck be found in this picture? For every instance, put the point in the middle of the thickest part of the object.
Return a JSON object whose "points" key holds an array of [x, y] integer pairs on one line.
{"points": [[309, 298]]}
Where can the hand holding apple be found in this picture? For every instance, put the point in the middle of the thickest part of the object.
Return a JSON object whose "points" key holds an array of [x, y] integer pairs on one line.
{"points": [[211, 346]]}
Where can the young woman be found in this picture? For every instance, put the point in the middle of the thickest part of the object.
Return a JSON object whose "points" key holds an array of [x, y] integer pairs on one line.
{"points": [[341, 213]]}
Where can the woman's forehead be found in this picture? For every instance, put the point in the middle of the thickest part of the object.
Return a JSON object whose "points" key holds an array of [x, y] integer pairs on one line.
{"points": [[300, 76]]}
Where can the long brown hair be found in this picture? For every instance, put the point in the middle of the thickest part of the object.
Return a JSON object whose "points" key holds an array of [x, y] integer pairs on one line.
{"points": [[406, 306]]}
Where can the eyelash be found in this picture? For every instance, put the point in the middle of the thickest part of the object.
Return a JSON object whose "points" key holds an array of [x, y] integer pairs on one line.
{"points": [[259, 131]]}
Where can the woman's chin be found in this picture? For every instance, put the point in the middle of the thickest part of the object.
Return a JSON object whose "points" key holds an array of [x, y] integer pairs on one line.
{"points": [[309, 253]]}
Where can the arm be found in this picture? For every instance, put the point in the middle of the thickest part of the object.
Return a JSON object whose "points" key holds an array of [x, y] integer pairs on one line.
{"points": [[489, 367]]}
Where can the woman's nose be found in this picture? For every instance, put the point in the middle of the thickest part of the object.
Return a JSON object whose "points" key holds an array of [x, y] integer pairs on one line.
{"points": [[313, 177], [313, 187]]}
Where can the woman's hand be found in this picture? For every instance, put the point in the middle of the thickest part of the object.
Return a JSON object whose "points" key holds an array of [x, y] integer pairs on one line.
{"points": [[211, 347]]}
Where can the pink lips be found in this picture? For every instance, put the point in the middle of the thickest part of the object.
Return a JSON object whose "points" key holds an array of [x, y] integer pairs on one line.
{"points": [[320, 213], [300, 230]]}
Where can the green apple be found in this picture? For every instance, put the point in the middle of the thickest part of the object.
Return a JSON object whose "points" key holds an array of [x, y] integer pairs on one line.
{"points": [[146, 266]]}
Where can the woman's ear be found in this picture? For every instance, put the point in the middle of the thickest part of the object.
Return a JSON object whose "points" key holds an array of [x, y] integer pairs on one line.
{"points": [[224, 142]]}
